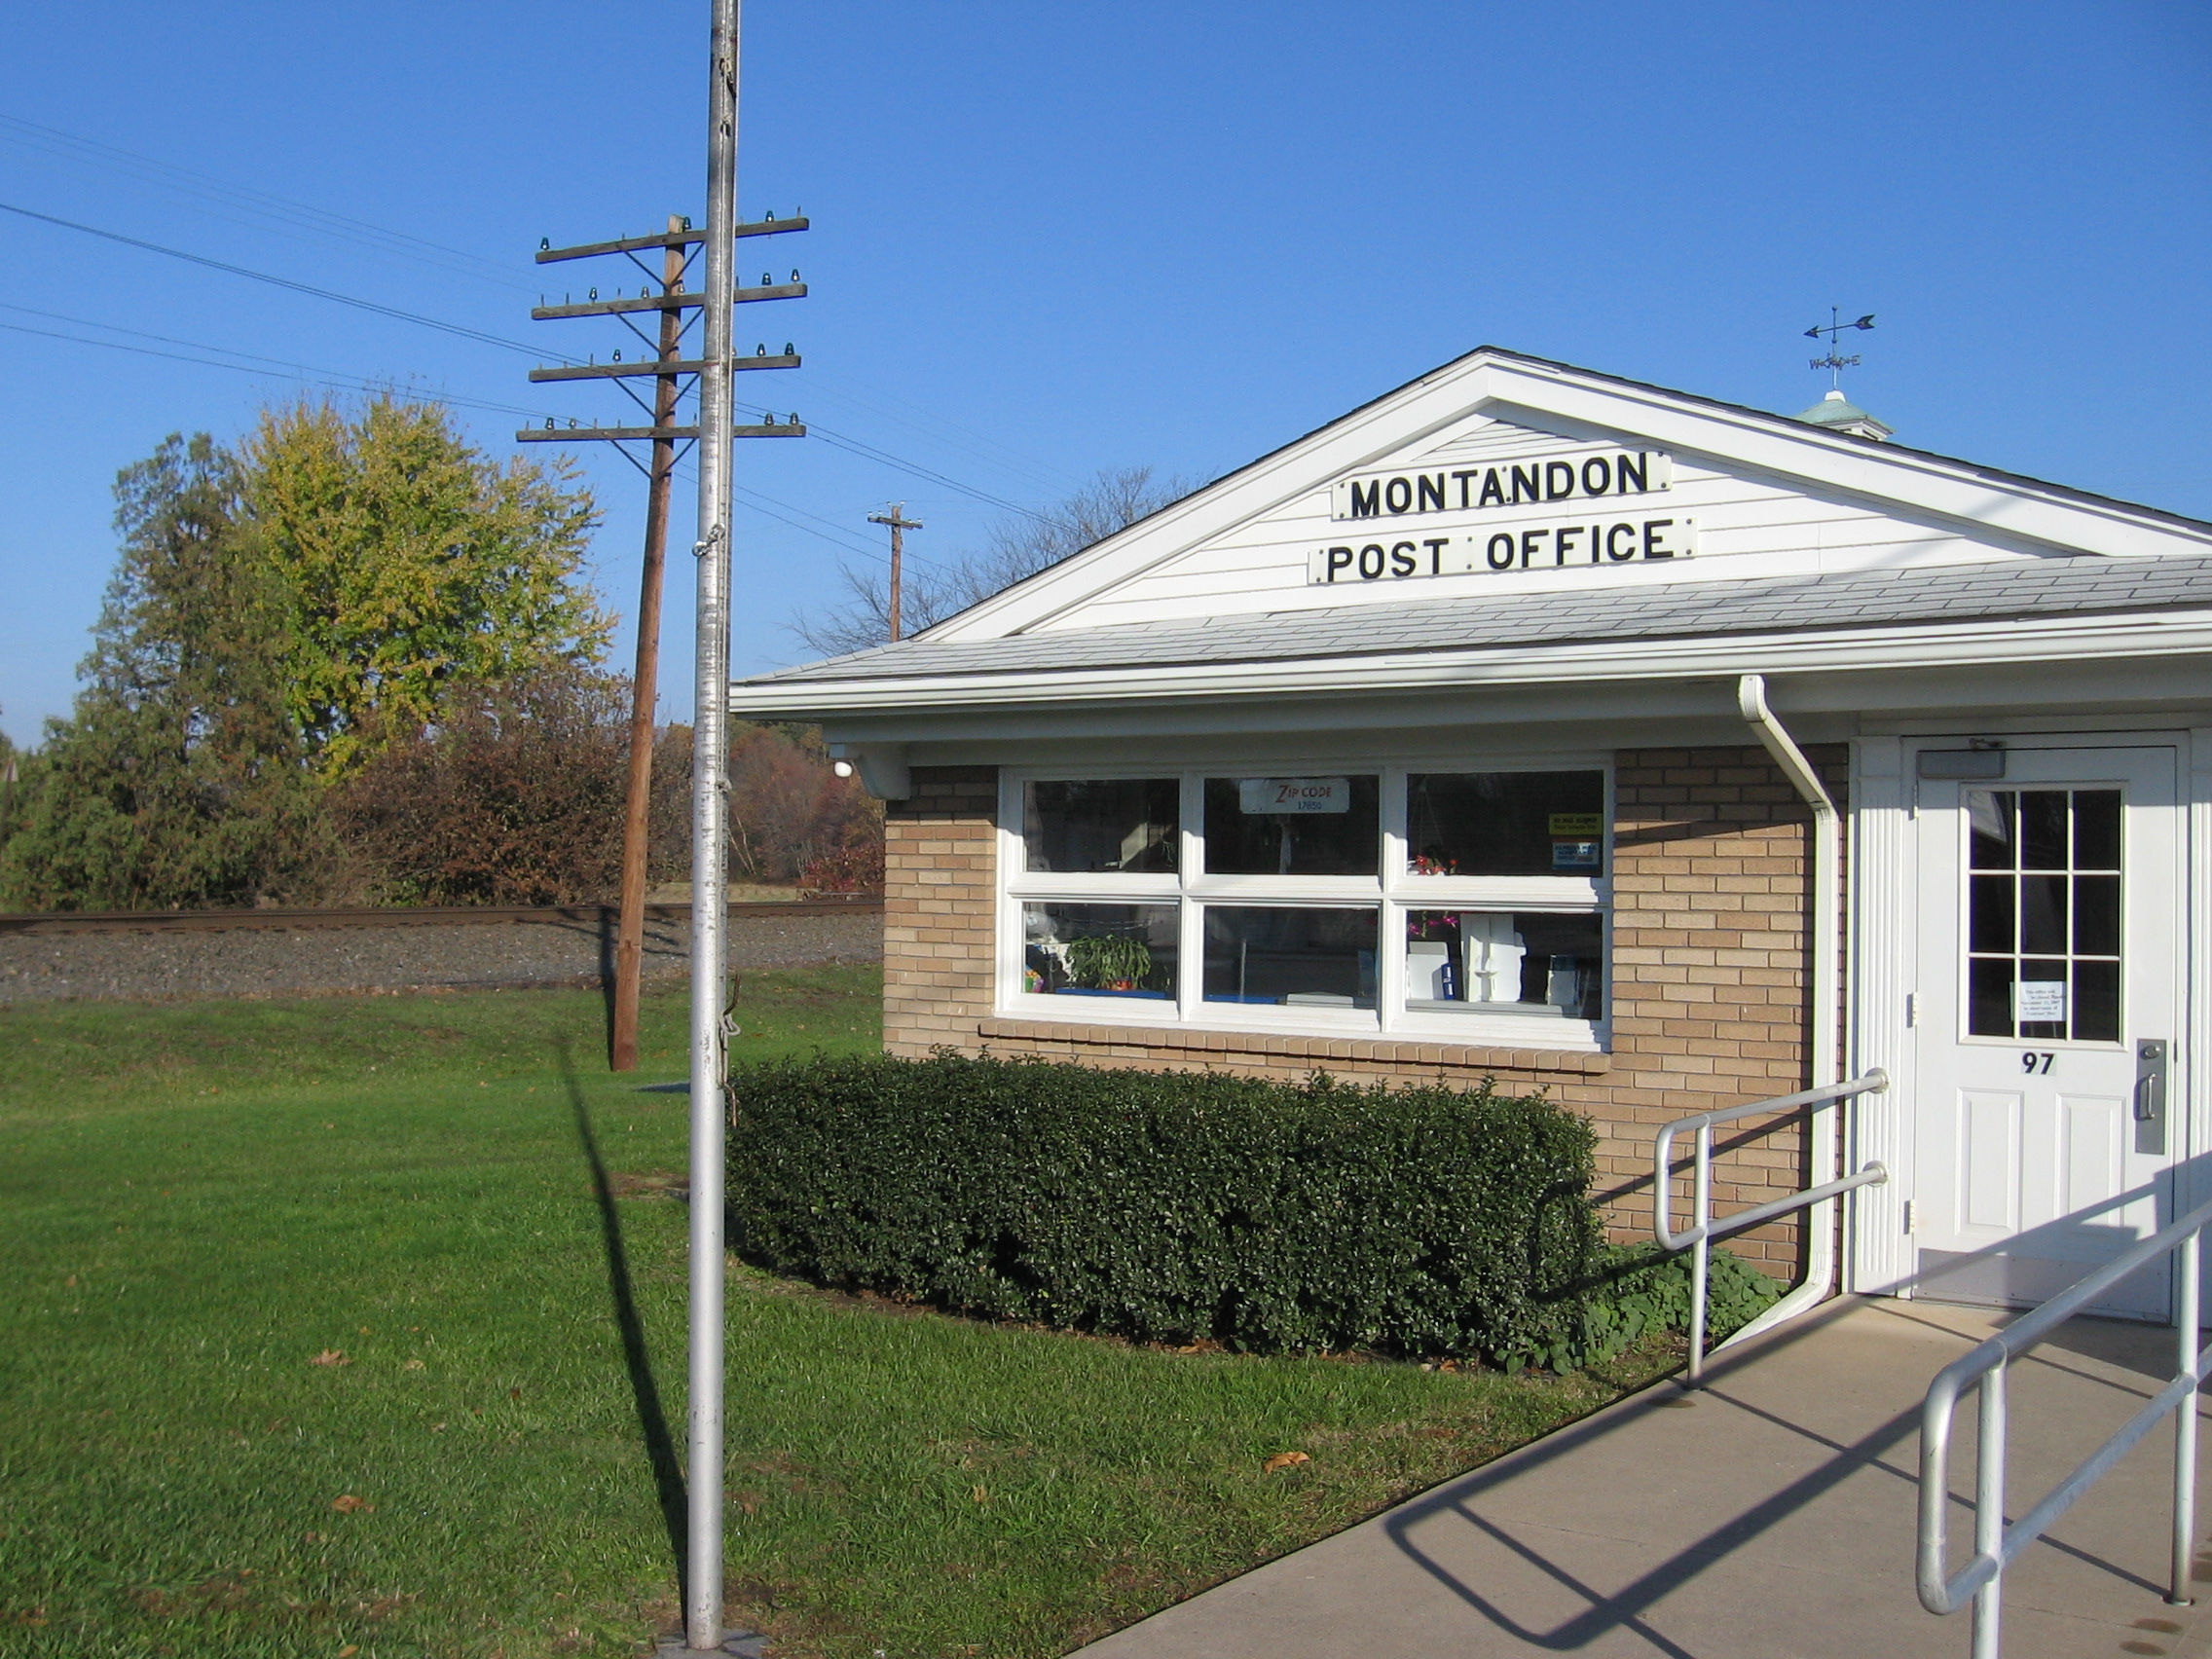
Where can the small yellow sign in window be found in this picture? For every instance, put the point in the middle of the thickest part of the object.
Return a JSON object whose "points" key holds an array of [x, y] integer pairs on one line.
{"points": [[1577, 824]]}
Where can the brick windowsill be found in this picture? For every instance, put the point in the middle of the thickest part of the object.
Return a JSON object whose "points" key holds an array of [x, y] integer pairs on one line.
{"points": [[1231, 1046]]}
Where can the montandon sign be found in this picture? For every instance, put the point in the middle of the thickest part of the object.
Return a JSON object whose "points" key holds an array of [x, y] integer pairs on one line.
{"points": [[1583, 515], [1539, 480]]}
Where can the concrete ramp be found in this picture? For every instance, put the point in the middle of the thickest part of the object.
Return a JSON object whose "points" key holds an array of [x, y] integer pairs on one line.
{"points": [[1771, 1517]]}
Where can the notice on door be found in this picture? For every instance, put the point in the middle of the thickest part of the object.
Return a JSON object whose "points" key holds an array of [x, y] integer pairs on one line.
{"points": [[2039, 1001]]}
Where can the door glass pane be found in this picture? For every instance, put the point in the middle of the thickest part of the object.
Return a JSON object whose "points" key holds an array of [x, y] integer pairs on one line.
{"points": [[1989, 997], [1992, 915], [2045, 863], [2042, 914], [1126, 952], [2042, 828], [1088, 825], [1307, 825], [1506, 962], [2096, 915], [1290, 956], [1990, 816], [2096, 829], [1505, 822], [2096, 1002]]}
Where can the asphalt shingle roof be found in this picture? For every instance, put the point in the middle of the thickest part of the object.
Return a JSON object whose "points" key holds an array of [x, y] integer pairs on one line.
{"points": [[1858, 598]]}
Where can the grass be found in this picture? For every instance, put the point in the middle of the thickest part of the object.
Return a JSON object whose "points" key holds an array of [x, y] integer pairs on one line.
{"points": [[356, 1327]]}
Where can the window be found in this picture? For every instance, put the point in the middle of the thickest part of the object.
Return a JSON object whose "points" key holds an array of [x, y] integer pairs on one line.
{"points": [[2043, 917], [1099, 824], [1293, 825], [1099, 951], [1459, 903]]}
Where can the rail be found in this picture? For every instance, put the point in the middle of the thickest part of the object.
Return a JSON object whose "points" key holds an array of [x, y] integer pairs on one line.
{"points": [[420, 916], [1703, 1229], [1981, 1580]]}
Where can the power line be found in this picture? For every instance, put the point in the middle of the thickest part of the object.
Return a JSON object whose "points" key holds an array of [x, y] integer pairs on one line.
{"points": [[51, 141], [444, 327], [870, 452], [840, 440], [335, 379]]}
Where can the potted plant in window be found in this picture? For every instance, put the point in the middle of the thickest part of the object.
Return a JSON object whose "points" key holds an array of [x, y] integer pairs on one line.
{"points": [[1108, 962]]}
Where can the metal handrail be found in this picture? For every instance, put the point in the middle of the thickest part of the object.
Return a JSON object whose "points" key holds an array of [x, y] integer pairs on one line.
{"points": [[1996, 1545], [1703, 1229]]}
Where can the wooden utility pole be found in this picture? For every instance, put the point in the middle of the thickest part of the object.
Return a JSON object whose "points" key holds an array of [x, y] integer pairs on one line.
{"points": [[667, 366], [629, 937], [897, 520]]}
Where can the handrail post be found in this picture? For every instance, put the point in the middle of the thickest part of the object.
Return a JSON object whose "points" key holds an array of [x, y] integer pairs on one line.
{"points": [[1989, 1511], [1701, 1255], [2185, 1420]]}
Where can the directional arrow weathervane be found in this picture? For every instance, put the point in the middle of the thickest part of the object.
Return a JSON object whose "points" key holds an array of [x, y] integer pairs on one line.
{"points": [[1834, 364]]}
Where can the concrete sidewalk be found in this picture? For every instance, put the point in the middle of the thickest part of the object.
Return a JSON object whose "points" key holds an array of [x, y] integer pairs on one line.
{"points": [[1770, 1518]]}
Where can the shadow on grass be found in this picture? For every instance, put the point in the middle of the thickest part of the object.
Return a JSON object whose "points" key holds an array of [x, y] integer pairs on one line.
{"points": [[652, 1420]]}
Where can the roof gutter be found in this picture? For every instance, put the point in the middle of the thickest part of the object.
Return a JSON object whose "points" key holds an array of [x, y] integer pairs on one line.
{"points": [[1824, 900]]}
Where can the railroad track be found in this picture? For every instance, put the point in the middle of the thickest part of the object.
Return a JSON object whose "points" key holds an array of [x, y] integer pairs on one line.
{"points": [[425, 916]]}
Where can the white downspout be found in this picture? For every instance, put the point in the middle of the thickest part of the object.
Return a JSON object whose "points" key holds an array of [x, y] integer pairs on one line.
{"points": [[1823, 896]]}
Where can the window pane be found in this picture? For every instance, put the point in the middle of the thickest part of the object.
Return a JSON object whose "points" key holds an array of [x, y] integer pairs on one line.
{"points": [[1506, 962], [2040, 999], [2042, 915], [1293, 957], [1505, 822], [1989, 814], [2096, 915], [2096, 1002], [1099, 951], [2042, 828], [2096, 830], [1311, 825], [1992, 921], [1090, 824], [1989, 998]]}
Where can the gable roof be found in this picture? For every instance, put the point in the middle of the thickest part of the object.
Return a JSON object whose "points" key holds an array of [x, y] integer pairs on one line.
{"points": [[1919, 615], [1515, 387], [1856, 599]]}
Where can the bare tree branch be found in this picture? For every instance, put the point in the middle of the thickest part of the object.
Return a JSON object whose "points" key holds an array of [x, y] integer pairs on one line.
{"points": [[1015, 550]]}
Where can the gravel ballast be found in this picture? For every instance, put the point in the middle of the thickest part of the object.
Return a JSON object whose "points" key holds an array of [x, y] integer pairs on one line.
{"points": [[235, 962]]}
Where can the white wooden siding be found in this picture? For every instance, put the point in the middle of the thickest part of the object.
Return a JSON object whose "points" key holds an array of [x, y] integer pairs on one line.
{"points": [[1746, 527]]}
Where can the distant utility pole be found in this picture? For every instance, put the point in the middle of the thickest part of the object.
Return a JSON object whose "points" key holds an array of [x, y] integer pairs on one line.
{"points": [[667, 367], [897, 520]]}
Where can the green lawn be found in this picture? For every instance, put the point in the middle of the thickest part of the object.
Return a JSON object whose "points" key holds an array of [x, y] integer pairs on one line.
{"points": [[449, 1203]]}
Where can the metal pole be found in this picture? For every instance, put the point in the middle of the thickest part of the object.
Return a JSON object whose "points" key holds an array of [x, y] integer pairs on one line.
{"points": [[1989, 1515], [710, 821], [2185, 1419], [1701, 1259]]}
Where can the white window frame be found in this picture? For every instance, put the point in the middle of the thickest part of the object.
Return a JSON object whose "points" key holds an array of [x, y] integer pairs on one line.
{"points": [[1392, 894]]}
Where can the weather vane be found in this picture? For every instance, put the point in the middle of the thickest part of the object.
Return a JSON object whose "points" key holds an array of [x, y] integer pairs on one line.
{"points": [[1834, 364]]}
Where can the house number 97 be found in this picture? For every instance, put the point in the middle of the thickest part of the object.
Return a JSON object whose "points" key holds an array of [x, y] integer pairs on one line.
{"points": [[2036, 1061]]}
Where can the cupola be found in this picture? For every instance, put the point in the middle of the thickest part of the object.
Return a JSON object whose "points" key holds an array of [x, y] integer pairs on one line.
{"points": [[1839, 413]]}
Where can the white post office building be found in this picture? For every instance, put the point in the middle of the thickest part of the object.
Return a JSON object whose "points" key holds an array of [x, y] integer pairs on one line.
{"points": [[1535, 724]]}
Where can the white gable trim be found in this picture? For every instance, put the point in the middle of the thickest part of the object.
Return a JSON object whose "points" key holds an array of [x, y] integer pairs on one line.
{"points": [[1502, 385]]}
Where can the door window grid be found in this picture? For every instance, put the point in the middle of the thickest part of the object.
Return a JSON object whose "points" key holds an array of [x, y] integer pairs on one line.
{"points": [[1390, 907], [2044, 913]]}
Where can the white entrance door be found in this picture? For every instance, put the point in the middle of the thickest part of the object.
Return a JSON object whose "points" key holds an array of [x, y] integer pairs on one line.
{"points": [[2051, 916]]}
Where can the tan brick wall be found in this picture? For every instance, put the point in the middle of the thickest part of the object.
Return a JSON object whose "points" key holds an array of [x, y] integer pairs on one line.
{"points": [[1708, 975], [939, 908]]}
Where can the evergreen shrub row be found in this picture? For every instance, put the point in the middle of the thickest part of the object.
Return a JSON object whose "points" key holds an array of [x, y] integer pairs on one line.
{"points": [[1175, 1208]]}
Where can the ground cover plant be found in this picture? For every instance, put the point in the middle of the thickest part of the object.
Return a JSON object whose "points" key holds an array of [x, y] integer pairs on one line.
{"points": [[353, 1326]]}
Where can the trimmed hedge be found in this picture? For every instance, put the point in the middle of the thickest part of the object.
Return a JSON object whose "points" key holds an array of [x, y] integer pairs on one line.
{"points": [[1171, 1208]]}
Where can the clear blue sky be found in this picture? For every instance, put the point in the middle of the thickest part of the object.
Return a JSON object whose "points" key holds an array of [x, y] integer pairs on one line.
{"points": [[1057, 237]]}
